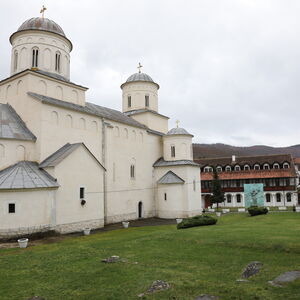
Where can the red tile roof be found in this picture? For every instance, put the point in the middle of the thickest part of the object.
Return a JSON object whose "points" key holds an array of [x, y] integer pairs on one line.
{"points": [[252, 174]]}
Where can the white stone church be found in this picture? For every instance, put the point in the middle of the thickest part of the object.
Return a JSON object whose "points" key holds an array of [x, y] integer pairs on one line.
{"points": [[67, 164]]}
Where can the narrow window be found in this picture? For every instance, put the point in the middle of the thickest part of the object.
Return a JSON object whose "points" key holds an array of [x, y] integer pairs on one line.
{"points": [[57, 62], [11, 208], [165, 196], [228, 198], [82, 193], [16, 61], [173, 151], [132, 171], [35, 58], [147, 101], [288, 197], [194, 185], [129, 101], [238, 198], [278, 197], [268, 198]]}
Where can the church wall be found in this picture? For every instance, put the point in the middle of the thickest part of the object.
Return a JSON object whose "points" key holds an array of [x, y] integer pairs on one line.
{"points": [[61, 126], [78, 170], [13, 151], [33, 211], [55, 89], [48, 45], [128, 146], [138, 91], [153, 121], [182, 200]]}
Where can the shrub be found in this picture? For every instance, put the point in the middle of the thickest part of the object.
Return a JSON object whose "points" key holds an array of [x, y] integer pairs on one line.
{"points": [[201, 220], [257, 210]]}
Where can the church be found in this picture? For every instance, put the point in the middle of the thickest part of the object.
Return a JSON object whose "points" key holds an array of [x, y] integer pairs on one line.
{"points": [[68, 164]]}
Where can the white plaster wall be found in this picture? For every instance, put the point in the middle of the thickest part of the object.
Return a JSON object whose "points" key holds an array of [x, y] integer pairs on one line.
{"points": [[12, 151], [33, 209], [48, 44], [77, 170], [137, 91], [127, 145], [183, 147], [60, 126], [153, 121], [184, 200]]}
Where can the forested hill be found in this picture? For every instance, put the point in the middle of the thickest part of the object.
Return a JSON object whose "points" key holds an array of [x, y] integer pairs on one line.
{"points": [[222, 150]]}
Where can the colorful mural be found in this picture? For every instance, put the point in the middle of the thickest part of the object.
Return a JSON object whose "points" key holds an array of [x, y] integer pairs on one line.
{"points": [[254, 194]]}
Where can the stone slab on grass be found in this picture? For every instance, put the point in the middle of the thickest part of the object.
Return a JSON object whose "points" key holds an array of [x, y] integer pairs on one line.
{"points": [[207, 297], [252, 268], [156, 286], [285, 278]]}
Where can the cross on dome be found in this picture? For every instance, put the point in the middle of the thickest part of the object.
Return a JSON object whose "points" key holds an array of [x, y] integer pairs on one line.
{"points": [[42, 11], [139, 67]]}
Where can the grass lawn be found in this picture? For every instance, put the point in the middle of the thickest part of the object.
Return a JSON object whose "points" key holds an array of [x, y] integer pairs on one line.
{"points": [[194, 261]]}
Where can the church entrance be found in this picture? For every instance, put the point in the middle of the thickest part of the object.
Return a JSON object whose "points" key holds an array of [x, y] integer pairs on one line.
{"points": [[140, 209]]}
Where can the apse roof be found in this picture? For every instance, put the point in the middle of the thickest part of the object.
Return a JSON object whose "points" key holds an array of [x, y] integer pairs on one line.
{"points": [[170, 178], [12, 126], [163, 163], [178, 131], [26, 175]]}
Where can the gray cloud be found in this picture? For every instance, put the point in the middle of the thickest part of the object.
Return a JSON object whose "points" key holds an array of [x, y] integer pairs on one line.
{"points": [[228, 70]]}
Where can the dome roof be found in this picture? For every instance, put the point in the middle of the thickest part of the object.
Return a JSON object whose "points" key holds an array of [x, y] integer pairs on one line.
{"points": [[139, 77], [41, 24], [177, 131]]}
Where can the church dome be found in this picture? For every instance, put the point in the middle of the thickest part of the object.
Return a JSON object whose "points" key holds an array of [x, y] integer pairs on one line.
{"points": [[41, 24], [178, 131], [137, 77]]}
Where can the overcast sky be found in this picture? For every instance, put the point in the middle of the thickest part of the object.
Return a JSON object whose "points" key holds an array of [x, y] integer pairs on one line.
{"points": [[228, 70]]}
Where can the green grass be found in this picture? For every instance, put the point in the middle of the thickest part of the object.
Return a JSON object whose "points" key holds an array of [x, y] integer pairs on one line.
{"points": [[194, 261]]}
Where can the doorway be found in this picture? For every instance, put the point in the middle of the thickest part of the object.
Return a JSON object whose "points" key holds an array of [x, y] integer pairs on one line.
{"points": [[140, 209]]}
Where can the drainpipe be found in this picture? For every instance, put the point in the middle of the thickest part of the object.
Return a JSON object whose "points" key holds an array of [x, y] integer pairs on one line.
{"points": [[104, 164]]}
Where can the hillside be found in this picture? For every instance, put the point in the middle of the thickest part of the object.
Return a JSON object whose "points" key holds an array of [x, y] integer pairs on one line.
{"points": [[222, 150]]}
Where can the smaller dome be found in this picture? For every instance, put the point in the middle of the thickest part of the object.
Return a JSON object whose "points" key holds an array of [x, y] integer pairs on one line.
{"points": [[136, 77], [139, 77], [178, 131], [41, 24]]}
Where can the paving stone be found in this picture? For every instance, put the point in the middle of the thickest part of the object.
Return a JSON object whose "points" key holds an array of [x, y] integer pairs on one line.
{"points": [[285, 278], [207, 297]]}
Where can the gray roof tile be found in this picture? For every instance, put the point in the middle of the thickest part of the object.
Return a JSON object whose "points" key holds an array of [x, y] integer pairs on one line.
{"points": [[26, 175], [170, 178], [163, 163], [12, 126]]}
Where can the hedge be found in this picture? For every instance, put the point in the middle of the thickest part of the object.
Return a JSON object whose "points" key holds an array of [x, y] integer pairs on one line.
{"points": [[201, 220], [257, 210]]}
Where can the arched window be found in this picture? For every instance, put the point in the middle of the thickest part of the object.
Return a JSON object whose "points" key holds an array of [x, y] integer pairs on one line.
{"points": [[57, 62], [256, 167], [2, 151], [173, 151], [266, 167], [278, 197], [82, 123], [35, 58], [276, 166], [228, 198], [15, 60], [147, 100], [54, 117], [117, 131], [238, 198], [132, 172], [129, 101], [246, 167], [208, 169], [125, 133], [237, 168], [268, 198], [286, 165], [288, 197], [219, 169], [227, 168]]}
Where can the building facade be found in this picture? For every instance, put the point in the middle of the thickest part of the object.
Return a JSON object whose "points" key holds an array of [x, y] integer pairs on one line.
{"points": [[66, 163], [277, 173]]}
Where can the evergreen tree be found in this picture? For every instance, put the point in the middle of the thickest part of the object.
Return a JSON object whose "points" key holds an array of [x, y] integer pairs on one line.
{"points": [[217, 194]]}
